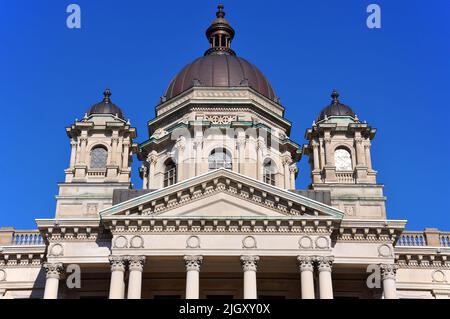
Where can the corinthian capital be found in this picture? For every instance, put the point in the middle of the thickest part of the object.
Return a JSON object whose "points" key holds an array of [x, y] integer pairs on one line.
{"points": [[324, 263], [193, 262], [305, 263], [53, 270], [136, 263], [249, 263], [118, 263], [388, 271]]}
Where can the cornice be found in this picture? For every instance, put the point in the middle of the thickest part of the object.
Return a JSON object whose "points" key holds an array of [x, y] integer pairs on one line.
{"points": [[223, 224]]}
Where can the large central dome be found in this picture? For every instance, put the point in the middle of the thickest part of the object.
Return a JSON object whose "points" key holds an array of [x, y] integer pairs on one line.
{"points": [[220, 67]]}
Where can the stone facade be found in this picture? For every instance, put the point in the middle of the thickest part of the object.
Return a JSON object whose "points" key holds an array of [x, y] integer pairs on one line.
{"points": [[218, 215]]}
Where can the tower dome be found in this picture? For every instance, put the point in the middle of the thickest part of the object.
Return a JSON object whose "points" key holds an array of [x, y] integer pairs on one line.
{"points": [[106, 106], [220, 67], [336, 108]]}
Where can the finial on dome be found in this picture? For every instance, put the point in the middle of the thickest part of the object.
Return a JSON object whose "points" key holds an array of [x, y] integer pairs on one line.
{"points": [[220, 13], [220, 34], [335, 96], [106, 96]]}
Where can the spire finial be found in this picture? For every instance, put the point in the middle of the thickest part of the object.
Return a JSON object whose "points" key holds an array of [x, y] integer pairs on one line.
{"points": [[220, 34], [106, 95], [220, 13], [335, 96]]}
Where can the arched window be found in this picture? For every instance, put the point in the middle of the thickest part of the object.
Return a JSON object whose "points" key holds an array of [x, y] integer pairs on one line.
{"points": [[170, 173], [269, 170], [343, 160], [220, 157], [99, 157]]}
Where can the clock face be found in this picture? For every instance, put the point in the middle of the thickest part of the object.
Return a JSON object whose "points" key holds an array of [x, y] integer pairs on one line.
{"points": [[343, 160]]}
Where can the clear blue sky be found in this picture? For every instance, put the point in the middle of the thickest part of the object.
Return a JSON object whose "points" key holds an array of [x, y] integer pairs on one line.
{"points": [[397, 78]]}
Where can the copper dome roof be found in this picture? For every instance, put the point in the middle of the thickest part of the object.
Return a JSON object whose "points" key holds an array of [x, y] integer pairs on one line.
{"points": [[336, 108], [220, 70], [106, 106], [220, 67]]}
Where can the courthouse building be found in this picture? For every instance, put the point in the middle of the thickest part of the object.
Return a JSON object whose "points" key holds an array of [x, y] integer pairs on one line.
{"points": [[218, 215]]}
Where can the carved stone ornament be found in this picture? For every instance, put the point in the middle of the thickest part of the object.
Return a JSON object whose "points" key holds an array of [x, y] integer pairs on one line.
{"points": [[193, 262], [324, 263], [118, 263], [136, 242], [249, 242], [305, 242], [53, 270], [136, 263], [249, 263], [388, 271], [438, 276], [56, 250], [2, 275], [193, 242], [120, 242], [322, 242], [305, 263], [384, 251]]}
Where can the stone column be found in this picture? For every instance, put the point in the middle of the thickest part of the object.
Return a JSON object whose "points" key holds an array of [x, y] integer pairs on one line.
{"points": [[193, 264], [83, 144], [368, 157], [286, 162], [388, 272], [52, 282], [316, 163], [360, 156], [241, 154], [114, 144], [73, 152], [292, 171], [136, 267], [151, 159], [306, 266], [324, 265], [126, 154], [117, 286], [249, 266]]}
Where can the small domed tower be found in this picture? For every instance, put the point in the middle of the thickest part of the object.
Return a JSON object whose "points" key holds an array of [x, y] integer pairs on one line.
{"points": [[339, 155], [100, 160]]}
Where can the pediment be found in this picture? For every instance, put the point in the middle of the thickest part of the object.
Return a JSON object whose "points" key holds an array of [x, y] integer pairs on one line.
{"points": [[221, 193]]}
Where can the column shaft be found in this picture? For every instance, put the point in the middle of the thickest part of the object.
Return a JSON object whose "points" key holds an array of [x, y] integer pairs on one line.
{"points": [[306, 267], [193, 264], [117, 285], [249, 266], [388, 272], [52, 282], [324, 265], [136, 266]]}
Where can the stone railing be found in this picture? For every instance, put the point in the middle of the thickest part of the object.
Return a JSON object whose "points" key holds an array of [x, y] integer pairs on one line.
{"points": [[432, 237], [11, 236], [345, 177], [97, 173]]}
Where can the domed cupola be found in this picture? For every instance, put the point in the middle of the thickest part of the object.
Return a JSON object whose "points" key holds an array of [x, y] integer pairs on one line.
{"points": [[106, 106], [336, 108], [220, 67]]}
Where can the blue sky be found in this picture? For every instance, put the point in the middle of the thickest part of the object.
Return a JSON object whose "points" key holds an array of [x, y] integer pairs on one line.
{"points": [[397, 78]]}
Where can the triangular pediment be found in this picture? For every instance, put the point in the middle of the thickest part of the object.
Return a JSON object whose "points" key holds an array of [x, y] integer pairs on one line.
{"points": [[221, 193]]}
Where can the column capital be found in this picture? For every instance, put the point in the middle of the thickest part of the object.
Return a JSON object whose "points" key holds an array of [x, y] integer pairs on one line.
{"points": [[136, 263], [388, 271], [193, 262], [324, 263], [249, 263], [118, 263], [305, 263], [53, 270]]}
